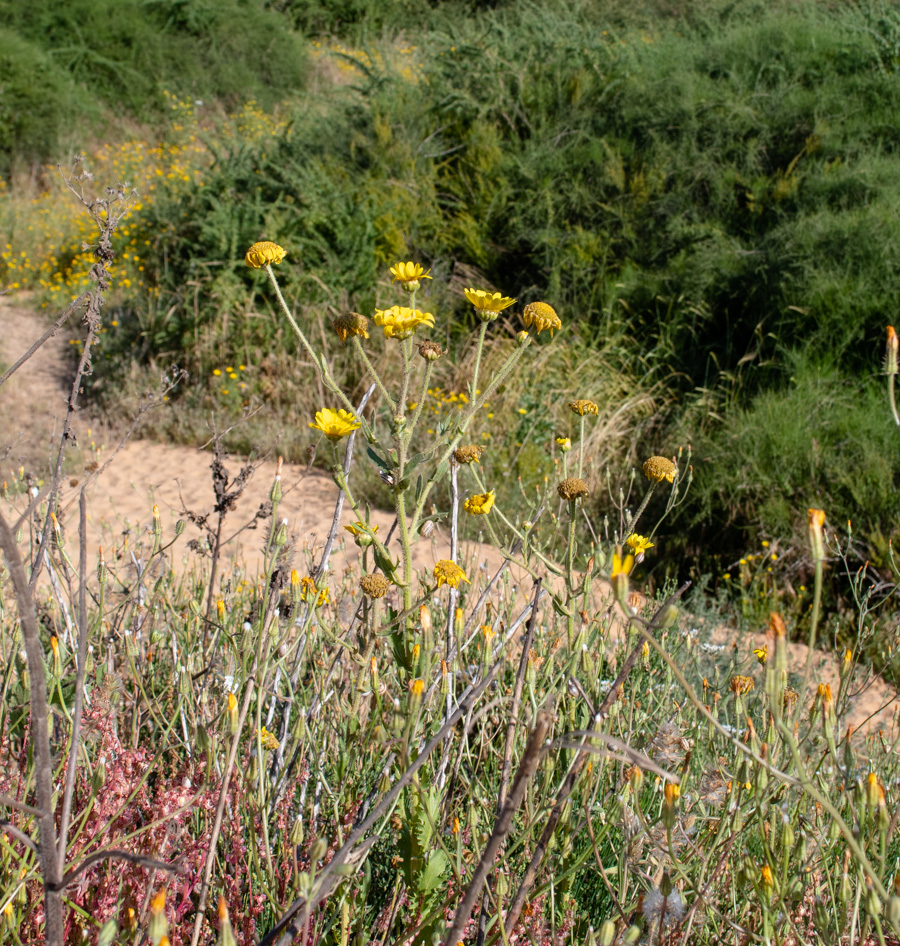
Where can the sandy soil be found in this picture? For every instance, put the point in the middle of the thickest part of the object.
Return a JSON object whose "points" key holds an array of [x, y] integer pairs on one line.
{"points": [[178, 478]]}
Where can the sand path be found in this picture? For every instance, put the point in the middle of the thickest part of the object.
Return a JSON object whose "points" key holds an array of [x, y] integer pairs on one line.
{"points": [[178, 478]]}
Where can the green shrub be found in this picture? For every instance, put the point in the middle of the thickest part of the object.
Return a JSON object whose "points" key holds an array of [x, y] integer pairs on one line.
{"points": [[37, 100]]}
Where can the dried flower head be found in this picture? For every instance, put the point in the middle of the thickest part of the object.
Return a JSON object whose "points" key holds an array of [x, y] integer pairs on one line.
{"points": [[264, 253], [741, 684], [789, 699], [468, 454], [480, 504], [335, 424], [449, 573], [409, 275], [669, 746], [572, 488], [488, 305], [399, 321], [374, 585], [661, 909], [712, 789], [431, 351], [351, 324], [658, 469], [541, 316], [583, 407]]}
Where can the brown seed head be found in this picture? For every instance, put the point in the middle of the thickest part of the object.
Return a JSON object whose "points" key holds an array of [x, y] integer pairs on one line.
{"points": [[658, 469], [583, 407], [351, 324], [431, 351], [374, 585], [469, 454], [572, 488]]}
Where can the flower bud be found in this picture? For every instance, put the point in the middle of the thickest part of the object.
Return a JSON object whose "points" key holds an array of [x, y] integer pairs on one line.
{"points": [[523, 338], [231, 711], [816, 518], [275, 491], [890, 357], [632, 934], [607, 933], [318, 850], [670, 797]]}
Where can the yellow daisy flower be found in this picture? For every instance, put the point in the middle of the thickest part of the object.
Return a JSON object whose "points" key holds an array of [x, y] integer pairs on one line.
{"points": [[400, 321], [480, 504], [488, 305], [409, 275], [335, 424], [639, 545], [449, 573]]}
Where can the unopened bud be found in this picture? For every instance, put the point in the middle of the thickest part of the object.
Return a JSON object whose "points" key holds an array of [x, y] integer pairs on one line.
{"points": [[890, 357], [607, 933]]}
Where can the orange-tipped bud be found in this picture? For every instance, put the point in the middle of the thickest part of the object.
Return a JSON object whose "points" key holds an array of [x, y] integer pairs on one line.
{"points": [[890, 358]]}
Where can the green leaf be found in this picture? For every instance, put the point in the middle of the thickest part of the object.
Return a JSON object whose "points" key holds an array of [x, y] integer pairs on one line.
{"points": [[433, 873]]}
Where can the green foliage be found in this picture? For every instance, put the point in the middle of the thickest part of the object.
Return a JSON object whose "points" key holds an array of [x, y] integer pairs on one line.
{"points": [[124, 54], [37, 98]]}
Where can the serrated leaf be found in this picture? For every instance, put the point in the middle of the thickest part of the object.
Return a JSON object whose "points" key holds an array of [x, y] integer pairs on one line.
{"points": [[433, 873]]}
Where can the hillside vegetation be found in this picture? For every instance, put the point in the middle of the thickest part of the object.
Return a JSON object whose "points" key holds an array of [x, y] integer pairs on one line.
{"points": [[709, 197]]}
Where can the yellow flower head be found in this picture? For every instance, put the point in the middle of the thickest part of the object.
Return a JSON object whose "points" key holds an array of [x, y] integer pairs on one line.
{"points": [[399, 321], [309, 591], [565, 444], [158, 902], [449, 573], [825, 695], [335, 424], [267, 739], [488, 305], [761, 654], [480, 504], [620, 565], [583, 407], [658, 469], [374, 585], [351, 324], [409, 275], [639, 545], [265, 253], [360, 528], [540, 316]]}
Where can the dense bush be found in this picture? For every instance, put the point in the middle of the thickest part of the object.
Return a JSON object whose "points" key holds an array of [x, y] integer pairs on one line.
{"points": [[713, 195], [124, 54]]}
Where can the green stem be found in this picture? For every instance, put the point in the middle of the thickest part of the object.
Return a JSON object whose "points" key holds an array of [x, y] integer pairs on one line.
{"points": [[474, 406], [318, 361], [580, 444], [421, 403], [892, 399], [813, 625], [375, 376], [479, 348]]}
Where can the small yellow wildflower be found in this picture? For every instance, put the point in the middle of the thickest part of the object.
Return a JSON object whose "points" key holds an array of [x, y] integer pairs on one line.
{"points": [[583, 407], [416, 688], [400, 321], [658, 469], [264, 253], [541, 316], [409, 275], [761, 654], [488, 305], [267, 739], [639, 545], [335, 424], [480, 504], [620, 565], [309, 591], [449, 573], [565, 444]]}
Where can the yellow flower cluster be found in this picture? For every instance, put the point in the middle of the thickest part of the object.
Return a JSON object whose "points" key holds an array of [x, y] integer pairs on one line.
{"points": [[44, 250]]}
